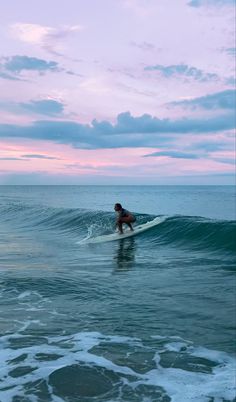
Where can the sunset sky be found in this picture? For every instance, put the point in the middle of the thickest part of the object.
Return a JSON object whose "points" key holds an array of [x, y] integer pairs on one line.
{"points": [[117, 92]]}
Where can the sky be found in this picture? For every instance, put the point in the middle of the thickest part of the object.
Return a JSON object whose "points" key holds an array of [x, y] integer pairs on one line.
{"points": [[117, 92]]}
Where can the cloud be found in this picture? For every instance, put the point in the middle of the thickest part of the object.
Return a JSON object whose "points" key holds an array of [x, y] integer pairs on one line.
{"points": [[200, 3], [9, 158], [183, 70], [225, 160], [128, 131], [41, 34], [209, 146], [219, 100], [48, 38], [30, 33], [80, 166], [230, 50], [231, 81], [12, 67], [6, 76], [39, 156], [17, 64], [174, 154], [46, 107]]}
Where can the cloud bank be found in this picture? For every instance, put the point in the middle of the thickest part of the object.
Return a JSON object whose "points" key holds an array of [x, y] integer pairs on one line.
{"points": [[128, 131]]}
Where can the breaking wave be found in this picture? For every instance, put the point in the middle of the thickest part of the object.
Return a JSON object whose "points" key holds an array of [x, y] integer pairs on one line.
{"points": [[185, 231]]}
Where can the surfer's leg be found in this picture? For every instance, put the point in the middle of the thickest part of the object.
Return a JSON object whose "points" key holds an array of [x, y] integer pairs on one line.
{"points": [[130, 226], [119, 224], [128, 221]]}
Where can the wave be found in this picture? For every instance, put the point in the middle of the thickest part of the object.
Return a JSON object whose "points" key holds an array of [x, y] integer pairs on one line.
{"points": [[185, 231], [198, 232], [65, 219]]}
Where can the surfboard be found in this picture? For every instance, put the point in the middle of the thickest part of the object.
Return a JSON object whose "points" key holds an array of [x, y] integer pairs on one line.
{"points": [[127, 233]]}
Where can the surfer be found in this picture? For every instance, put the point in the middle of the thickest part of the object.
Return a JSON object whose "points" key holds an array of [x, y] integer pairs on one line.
{"points": [[123, 216]]}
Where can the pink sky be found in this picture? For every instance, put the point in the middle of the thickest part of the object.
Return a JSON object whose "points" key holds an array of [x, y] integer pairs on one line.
{"points": [[70, 74]]}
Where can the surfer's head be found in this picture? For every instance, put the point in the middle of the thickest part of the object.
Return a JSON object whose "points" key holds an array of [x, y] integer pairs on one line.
{"points": [[117, 207]]}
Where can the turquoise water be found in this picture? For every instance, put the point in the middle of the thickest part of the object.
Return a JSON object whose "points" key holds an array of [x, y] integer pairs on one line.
{"points": [[148, 318]]}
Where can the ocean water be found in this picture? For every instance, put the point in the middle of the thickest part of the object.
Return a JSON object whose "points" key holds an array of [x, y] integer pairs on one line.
{"points": [[147, 318]]}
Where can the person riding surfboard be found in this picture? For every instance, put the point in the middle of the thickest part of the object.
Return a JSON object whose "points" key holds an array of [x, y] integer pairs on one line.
{"points": [[123, 216]]}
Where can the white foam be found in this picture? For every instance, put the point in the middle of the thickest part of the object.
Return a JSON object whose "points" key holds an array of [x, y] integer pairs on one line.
{"points": [[186, 386], [181, 385], [176, 346]]}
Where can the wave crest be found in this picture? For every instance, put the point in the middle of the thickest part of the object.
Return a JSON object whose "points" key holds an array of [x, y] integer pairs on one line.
{"points": [[185, 231]]}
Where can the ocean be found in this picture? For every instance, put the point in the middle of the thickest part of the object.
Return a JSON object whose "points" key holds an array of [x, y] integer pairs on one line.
{"points": [[149, 318]]}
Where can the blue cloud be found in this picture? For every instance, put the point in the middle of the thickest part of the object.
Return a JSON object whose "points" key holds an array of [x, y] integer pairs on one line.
{"points": [[231, 81], [39, 156], [46, 107], [12, 67], [182, 70], [219, 100], [199, 3], [7, 76], [9, 158], [209, 146], [231, 51], [174, 154], [16, 64], [225, 160], [129, 131]]}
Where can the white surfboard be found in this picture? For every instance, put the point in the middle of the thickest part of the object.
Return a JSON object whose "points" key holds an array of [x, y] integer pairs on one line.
{"points": [[127, 233]]}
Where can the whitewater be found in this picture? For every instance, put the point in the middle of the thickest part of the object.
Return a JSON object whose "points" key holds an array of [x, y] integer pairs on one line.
{"points": [[147, 318]]}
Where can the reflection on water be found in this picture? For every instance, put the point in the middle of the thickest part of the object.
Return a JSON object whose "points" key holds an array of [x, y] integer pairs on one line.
{"points": [[125, 254]]}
